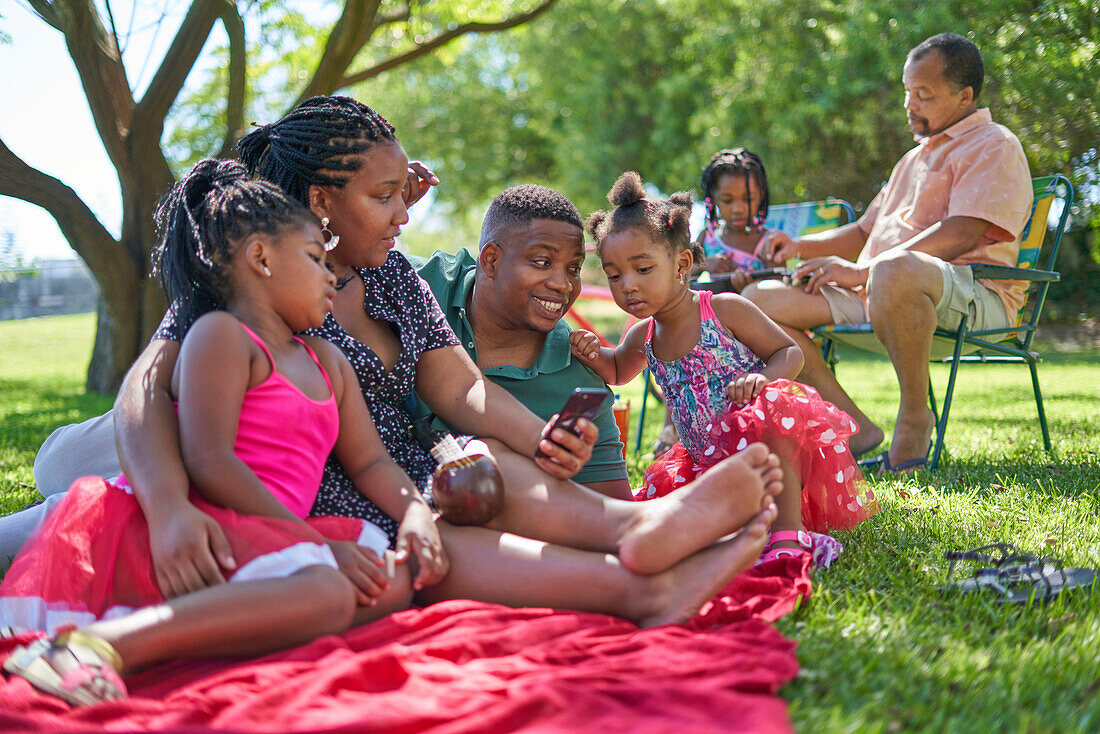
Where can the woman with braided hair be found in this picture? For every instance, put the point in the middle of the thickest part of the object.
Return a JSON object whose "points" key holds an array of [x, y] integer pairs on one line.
{"points": [[556, 543]]}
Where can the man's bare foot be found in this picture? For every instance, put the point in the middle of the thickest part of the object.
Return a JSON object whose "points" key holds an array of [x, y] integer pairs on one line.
{"points": [[675, 596], [868, 437], [911, 437], [721, 500]]}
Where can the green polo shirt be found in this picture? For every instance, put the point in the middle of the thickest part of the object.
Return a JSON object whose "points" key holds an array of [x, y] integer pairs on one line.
{"points": [[545, 386]]}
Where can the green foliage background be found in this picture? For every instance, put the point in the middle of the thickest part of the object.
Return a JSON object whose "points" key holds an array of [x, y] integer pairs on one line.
{"points": [[595, 87]]}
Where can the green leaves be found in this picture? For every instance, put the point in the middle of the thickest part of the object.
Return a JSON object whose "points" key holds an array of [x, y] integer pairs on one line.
{"points": [[594, 88]]}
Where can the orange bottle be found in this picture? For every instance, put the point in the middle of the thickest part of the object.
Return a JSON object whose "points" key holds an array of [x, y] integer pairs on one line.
{"points": [[621, 410]]}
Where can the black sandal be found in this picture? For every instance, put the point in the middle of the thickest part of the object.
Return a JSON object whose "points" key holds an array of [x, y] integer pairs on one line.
{"points": [[1017, 577]]}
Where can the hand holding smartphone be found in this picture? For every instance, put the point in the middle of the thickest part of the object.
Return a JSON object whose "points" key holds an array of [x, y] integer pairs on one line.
{"points": [[585, 402]]}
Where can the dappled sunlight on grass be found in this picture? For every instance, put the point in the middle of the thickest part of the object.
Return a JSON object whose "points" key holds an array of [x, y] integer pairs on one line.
{"points": [[881, 649]]}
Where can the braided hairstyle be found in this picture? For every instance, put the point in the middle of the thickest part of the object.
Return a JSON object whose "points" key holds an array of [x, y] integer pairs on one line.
{"points": [[663, 221], [732, 162], [315, 144], [201, 221]]}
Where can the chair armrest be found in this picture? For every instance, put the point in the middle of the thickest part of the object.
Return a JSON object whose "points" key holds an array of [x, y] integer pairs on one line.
{"points": [[1003, 272]]}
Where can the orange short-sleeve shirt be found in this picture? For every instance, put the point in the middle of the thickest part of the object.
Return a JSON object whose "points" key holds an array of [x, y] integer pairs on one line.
{"points": [[975, 168]]}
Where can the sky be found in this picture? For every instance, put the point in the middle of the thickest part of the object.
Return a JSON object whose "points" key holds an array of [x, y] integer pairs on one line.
{"points": [[46, 122]]}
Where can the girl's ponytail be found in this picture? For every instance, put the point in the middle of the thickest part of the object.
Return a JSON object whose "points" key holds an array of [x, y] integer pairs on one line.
{"points": [[202, 219]]}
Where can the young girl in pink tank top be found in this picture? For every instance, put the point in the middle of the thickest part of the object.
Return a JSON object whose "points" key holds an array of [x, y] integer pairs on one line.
{"points": [[259, 412], [727, 372]]}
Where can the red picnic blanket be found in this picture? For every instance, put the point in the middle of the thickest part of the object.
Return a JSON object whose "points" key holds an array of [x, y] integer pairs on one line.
{"points": [[465, 666]]}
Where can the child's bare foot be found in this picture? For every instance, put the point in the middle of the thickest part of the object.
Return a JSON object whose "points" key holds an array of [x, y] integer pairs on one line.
{"points": [[675, 596], [718, 502]]}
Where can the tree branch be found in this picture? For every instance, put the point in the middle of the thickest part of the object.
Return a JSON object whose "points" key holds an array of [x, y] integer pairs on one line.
{"points": [[344, 42], [177, 64], [238, 71], [46, 11], [78, 224], [99, 64], [438, 41]]}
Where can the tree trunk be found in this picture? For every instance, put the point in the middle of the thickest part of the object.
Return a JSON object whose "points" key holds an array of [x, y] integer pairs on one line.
{"points": [[119, 321], [132, 303]]}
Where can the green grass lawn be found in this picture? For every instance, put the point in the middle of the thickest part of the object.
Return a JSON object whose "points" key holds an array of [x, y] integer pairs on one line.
{"points": [[880, 649]]}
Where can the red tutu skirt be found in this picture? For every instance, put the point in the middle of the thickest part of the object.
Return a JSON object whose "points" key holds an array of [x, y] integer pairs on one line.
{"points": [[90, 560], [834, 493]]}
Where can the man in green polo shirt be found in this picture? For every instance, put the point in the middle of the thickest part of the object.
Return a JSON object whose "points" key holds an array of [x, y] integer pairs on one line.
{"points": [[506, 307]]}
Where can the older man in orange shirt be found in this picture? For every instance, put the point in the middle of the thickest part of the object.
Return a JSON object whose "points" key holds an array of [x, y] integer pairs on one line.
{"points": [[962, 196]]}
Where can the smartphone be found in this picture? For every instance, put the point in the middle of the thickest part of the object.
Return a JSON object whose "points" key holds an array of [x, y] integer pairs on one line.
{"points": [[585, 402]]}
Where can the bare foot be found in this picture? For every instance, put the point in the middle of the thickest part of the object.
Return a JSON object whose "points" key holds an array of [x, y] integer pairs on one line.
{"points": [[676, 595], [718, 502], [911, 437]]}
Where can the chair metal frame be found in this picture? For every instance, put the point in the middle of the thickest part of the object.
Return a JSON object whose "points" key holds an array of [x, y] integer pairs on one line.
{"points": [[1011, 345]]}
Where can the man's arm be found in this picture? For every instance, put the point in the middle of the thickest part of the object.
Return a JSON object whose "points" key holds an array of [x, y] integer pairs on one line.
{"points": [[455, 389], [845, 242], [946, 240], [950, 238], [188, 547]]}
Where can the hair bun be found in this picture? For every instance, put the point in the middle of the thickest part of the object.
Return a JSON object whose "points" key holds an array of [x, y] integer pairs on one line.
{"points": [[681, 198], [211, 175], [628, 190]]}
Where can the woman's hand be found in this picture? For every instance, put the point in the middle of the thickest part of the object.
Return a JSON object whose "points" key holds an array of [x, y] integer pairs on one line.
{"points": [[745, 388], [189, 551], [819, 271], [420, 180], [584, 344], [563, 453], [366, 571], [418, 537]]}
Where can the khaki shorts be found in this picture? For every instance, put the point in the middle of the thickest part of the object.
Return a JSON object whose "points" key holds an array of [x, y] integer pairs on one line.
{"points": [[984, 309]]}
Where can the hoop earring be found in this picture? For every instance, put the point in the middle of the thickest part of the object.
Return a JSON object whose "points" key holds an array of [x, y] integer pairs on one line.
{"points": [[331, 240]]}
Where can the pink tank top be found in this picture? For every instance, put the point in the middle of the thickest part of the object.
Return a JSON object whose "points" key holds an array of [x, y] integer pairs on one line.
{"points": [[713, 244], [285, 437]]}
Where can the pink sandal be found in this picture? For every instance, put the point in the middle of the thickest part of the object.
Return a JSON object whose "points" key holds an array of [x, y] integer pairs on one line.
{"points": [[805, 545]]}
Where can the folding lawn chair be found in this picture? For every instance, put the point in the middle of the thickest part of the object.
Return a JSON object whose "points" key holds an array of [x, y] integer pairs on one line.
{"points": [[1011, 345], [796, 220]]}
